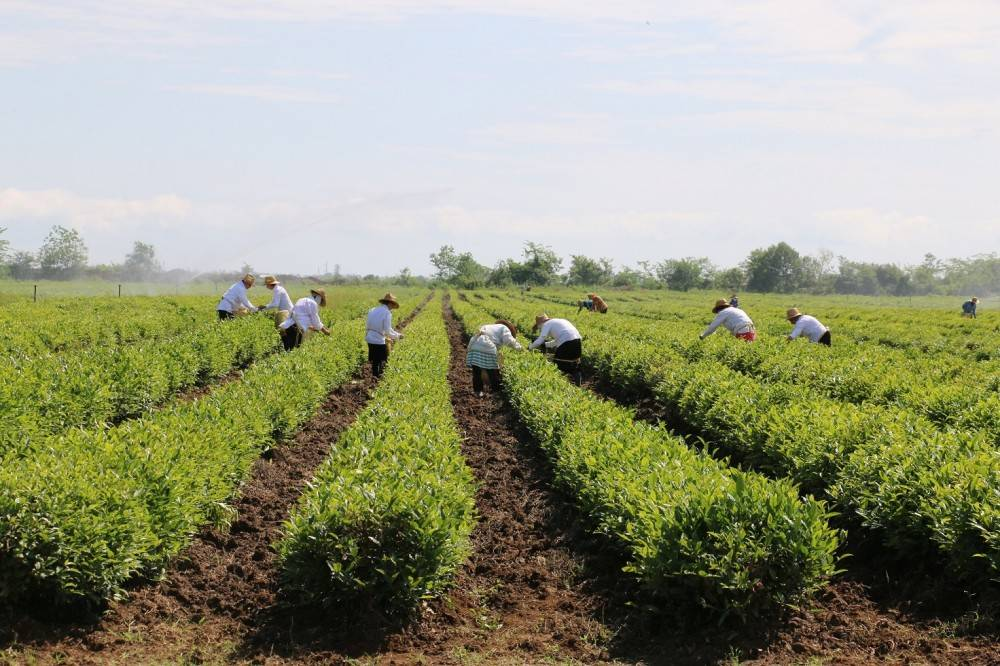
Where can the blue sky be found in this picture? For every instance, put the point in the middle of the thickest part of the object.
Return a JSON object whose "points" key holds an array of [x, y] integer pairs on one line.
{"points": [[293, 134]]}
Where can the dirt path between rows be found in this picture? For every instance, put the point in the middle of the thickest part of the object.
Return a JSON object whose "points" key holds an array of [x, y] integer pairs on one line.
{"points": [[217, 594]]}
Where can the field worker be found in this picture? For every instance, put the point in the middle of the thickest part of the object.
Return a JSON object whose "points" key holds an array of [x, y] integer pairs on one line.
{"points": [[566, 340], [281, 303], [734, 301], [807, 326], [235, 300], [483, 352], [380, 332], [304, 319], [732, 318], [969, 308]]}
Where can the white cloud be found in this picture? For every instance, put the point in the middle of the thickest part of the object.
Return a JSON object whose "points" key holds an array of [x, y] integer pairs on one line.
{"points": [[91, 213]]}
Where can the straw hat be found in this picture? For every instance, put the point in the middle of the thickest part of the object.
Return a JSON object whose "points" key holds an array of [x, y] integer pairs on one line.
{"points": [[510, 327], [975, 300], [322, 296], [541, 319], [389, 300], [792, 314], [720, 304], [270, 280], [248, 278]]}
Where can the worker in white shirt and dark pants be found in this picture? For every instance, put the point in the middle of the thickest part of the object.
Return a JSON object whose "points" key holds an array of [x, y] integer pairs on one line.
{"points": [[235, 300], [379, 333], [733, 319], [483, 353], [566, 340], [304, 320], [808, 326], [280, 303]]}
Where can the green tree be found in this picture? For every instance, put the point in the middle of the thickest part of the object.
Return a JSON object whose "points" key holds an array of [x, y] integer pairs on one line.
{"points": [[541, 264], [63, 255], [23, 265], [586, 271], [684, 274], [459, 270], [4, 246], [141, 262], [777, 268], [405, 277], [731, 279]]}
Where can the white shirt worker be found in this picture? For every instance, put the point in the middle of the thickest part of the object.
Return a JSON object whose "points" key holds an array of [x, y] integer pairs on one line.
{"points": [[235, 298], [379, 325], [559, 329], [809, 327], [733, 319], [280, 300], [500, 335], [305, 315]]}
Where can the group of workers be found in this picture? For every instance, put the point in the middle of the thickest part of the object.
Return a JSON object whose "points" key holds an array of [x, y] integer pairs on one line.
{"points": [[296, 322]]}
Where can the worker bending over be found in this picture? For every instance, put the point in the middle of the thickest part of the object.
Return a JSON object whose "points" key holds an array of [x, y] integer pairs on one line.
{"points": [[304, 320], [235, 301], [483, 355], [566, 340], [808, 326], [732, 318]]}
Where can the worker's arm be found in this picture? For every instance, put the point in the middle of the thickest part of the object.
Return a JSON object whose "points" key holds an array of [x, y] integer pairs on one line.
{"points": [[542, 334], [509, 340], [796, 330], [387, 329], [719, 318]]}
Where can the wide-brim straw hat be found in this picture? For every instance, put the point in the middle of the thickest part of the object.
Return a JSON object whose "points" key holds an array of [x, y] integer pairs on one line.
{"points": [[322, 296], [510, 327], [792, 313], [269, 280], [248, 278], [720, 304], [541, 319], [389, 299]]}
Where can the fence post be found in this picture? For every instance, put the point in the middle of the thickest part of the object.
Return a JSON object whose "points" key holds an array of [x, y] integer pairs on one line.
{"points": [[35, 297], [119, 291]]}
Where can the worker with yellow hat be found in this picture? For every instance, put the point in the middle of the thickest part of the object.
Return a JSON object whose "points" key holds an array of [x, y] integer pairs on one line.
{"points": [[379, 332], [235, 301], [304, 320], [808, 326], [566, 341], [281, 303], [733, 319]]}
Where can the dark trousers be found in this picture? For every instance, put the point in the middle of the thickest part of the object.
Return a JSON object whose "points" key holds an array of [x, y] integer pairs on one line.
{"points": [[291, 337], [224, 315], [477, 378], [824, 339], [568, 359], [378, 355]]}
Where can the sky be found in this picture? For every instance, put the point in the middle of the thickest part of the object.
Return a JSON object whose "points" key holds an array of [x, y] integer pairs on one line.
{"points": [[303, 135]]}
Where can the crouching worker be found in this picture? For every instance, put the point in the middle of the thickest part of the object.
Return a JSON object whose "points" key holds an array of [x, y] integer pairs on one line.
{"points": [[380, 332], [483, 353], [235, 301], [808, 326], [303, 320], [593, 303], [735, 320], [281, 303], [567, 343]]}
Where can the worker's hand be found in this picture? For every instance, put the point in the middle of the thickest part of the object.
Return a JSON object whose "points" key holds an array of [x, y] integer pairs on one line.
{"points": [[325, 330]]}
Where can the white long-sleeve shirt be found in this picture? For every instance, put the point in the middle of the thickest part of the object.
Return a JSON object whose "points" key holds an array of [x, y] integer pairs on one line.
{"points": [[559, 329], [810, 327], [280, 300], [235, 298], [500, 335], [305, 315], [734, 319], [379, 325]]}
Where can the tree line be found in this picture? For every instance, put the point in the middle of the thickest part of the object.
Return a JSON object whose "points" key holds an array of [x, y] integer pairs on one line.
{"points": [[778, 268]]}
